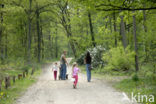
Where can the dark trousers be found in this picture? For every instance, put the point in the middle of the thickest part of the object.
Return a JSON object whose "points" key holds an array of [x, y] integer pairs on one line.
{"points": [[63, 71]]}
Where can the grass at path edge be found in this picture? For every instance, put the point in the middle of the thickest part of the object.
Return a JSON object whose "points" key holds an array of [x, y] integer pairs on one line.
{"points": [[16, 90]]}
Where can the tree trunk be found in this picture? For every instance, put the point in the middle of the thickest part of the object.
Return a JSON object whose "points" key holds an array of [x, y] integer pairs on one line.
{"points": [[135, 43], [145, 29], [110, 23], [91, 29], [65, 21], [38, 35], [50, 46], [115, 30], [1, 35], [123, 34], [29, 32], [42, 44], [6, 46], [56, 46], [73, 47]]}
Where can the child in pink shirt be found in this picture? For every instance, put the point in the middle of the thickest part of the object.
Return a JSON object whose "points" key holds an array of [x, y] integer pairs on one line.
{"points": [[75, 71]]}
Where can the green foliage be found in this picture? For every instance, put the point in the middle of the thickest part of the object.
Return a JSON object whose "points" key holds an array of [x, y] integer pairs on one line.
{"points": [[80, 60], [119, 59], [96, 54], [144, 86], [135, 77], [8, 96], [150, 75]]}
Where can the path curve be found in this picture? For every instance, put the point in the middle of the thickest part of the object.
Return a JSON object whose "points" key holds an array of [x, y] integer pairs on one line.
{"points": [[48, 91]]}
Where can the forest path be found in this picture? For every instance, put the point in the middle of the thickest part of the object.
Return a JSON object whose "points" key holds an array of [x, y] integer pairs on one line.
{"points": [[48, 91]]}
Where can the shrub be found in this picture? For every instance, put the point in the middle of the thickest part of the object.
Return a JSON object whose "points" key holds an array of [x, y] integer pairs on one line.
{"points": [[119, 59], [80, 60], [135, 77], [96, 54], [150, 75]]}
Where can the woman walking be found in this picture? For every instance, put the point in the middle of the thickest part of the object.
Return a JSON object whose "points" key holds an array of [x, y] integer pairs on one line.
{"points": [[88, 60]]}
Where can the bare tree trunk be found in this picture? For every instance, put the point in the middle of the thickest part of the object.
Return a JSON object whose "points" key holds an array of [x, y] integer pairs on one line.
{"points": [[145, 29], [50, 46], [115, 30], [56, 46], [110, 23], [91, 29], [128, 36], [42, 43], [65, 21], [135, 43], [1, 35], [29, 32], [73, 47], [1, 21], [6, 46], [38, 34], [52, 51], [69, 32], [123, 33]]}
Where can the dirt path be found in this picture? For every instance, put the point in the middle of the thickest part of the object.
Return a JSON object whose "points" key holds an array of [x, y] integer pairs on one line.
{"points": [[48, 91]]}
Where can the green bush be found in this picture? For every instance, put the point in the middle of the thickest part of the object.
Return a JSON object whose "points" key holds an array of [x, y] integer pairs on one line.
{"points": [[96, 54], [119, 59], [135, 77], [150, 75]]}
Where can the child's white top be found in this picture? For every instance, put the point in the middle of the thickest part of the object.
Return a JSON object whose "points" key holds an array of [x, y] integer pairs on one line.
{"points": [[55, 68]]}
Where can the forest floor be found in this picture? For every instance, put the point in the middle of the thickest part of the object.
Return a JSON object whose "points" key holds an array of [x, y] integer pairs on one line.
{"points": [[48, 91]]}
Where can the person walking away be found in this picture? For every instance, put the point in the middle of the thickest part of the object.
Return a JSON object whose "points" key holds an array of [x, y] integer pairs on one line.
{"points": [[75, 71], [54, 69], [88, 61], [63, 65]]}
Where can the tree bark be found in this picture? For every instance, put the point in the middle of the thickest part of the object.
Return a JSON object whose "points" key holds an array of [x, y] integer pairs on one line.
{"points": [[110, 23], [123, 33], [29, 32], [56, 45], [115, 30], [42, 42], [91, 29], [135, 43], [145, 29], [6, 46], [65, 21], [1, 35], [38, 35]]}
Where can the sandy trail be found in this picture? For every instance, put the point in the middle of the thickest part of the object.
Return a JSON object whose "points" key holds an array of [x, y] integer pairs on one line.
{"points": [[48, 91]]}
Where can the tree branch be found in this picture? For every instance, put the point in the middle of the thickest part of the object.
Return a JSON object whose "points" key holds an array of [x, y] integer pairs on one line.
{"points": [[126, 9]]}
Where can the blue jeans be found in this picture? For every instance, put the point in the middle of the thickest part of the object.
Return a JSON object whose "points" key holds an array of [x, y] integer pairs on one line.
{"points": [[88, 72], [63, 71]]}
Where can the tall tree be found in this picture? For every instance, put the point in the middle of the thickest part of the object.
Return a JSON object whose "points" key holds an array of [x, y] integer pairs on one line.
{"points": [[123, 33], [29, 31], [135, 43], [66, 22], [38, 32], [115, 28], [56, 41], [91, 29]]}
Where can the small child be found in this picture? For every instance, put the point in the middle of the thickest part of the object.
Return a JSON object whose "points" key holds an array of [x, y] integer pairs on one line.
{"points": [[54, 69], [75, 71]]}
